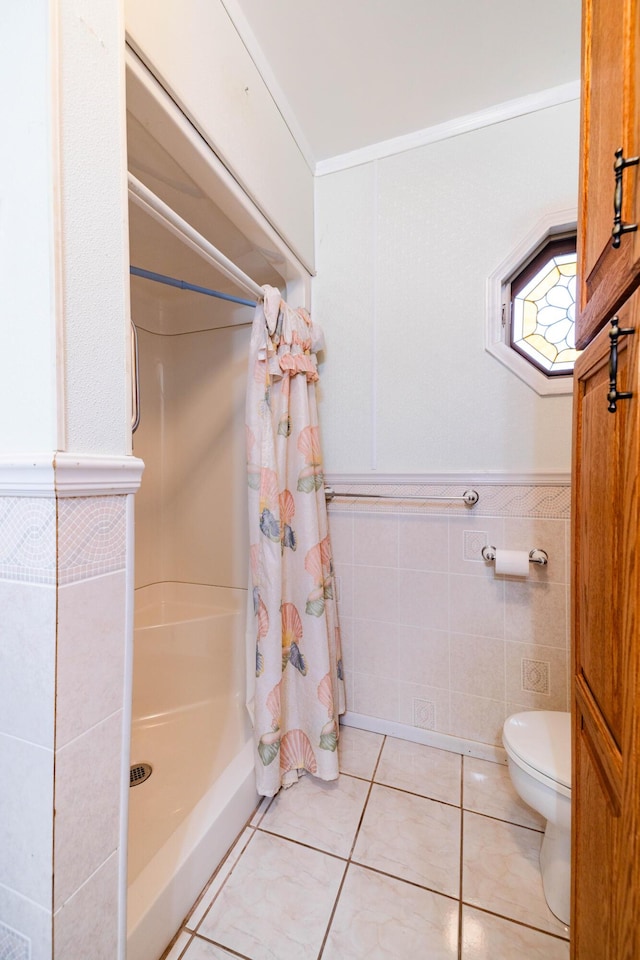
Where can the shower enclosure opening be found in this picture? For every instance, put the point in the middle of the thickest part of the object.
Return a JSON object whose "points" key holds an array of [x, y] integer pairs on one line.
{"points": [[189, 720]]}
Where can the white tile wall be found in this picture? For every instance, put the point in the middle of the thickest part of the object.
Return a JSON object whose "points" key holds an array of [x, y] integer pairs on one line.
{"points": [[87, 805], [61, 698], [84, 926], [27, 637], [91, 631], [431, 635], [26, 823]]}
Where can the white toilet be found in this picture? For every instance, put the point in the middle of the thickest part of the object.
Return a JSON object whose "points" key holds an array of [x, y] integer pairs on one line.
{"points": [[538, 745]]}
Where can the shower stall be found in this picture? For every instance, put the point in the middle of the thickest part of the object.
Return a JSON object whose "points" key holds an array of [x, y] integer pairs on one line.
{"points": [[190, 727]]}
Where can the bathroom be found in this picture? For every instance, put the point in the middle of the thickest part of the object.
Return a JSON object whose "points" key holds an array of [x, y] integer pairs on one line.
{"points": [[387, 260]]}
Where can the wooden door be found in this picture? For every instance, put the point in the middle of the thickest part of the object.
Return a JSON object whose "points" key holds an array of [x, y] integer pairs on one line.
{"points": [[610, 120], [606, 652]]}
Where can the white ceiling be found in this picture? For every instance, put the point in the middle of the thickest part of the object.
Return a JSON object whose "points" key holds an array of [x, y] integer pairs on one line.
{"points": [[347, 74]]}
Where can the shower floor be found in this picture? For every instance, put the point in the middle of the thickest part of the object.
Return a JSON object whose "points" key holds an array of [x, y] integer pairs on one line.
{"points": [[413, 852]]}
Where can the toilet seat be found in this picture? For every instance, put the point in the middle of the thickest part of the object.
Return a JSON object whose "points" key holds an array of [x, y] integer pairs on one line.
{"points": [[540, 742]]}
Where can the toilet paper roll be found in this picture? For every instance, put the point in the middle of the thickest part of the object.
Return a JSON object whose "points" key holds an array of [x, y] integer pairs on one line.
{"points": [[512, 563]]}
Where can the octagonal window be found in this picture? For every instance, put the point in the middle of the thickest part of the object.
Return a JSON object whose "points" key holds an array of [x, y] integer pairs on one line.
{"points": [[543, 308]]}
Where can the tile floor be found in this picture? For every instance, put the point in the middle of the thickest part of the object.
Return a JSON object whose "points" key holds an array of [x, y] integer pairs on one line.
{"points": [[413, 853]]}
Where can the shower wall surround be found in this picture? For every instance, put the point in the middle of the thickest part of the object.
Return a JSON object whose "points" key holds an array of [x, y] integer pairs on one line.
{"points": [[432, 637]]}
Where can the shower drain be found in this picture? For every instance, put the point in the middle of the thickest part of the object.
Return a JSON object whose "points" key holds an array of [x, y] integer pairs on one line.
{"points": [[138, 773]]}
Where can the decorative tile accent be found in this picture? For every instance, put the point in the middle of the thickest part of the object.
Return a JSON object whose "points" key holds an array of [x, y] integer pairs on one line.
{"points": [[28, 539], [91, 537], [474, 541], [424, 714], [13, 946], [535, 676], [495, 500]]}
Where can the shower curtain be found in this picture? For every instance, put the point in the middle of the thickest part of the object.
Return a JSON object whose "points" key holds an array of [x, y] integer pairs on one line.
{"points": [[298, 691]]}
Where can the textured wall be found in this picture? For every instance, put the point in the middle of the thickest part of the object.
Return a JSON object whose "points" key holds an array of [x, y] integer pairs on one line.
{"points": [[404, 249]]}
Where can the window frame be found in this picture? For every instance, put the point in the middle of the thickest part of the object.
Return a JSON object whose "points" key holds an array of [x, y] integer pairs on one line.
{"points": [[554, 226]]}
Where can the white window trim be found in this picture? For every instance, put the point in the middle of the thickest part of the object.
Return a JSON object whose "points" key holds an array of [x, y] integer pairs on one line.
{"points": [[496, 342]]}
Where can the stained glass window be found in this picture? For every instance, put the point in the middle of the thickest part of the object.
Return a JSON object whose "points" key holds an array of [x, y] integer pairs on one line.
{"points": [[543, 308]]}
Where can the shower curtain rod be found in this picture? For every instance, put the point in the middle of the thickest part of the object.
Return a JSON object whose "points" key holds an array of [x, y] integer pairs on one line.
{"points": [[163, 214], [185, 285]]}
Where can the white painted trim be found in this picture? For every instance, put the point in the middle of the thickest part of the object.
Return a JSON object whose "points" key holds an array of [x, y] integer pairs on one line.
{"points": [[25, 476], [431, 738], [96, 476], [509, 110], [495, 340], [68, 475], [248, 37], [438, 479]]}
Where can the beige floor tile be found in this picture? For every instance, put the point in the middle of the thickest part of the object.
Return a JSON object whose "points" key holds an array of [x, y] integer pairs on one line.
{"points": [[381, 917], [319, 813], [359, 751], [501, 872], [420, 769], [277, 902], [485, 937], [488, 789], [412, 838]]}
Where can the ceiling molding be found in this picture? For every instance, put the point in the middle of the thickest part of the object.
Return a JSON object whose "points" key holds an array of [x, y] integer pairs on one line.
{"points": [[509, 110]]}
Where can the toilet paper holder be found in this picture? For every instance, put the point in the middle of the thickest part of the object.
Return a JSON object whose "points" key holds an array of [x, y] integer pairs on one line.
{"points": [[535, 556]]}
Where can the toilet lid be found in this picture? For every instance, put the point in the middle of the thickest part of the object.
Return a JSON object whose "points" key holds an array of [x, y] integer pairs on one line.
{"points": [[542, 739]]}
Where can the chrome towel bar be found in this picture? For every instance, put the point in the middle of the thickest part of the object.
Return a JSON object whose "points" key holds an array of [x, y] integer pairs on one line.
{"points": [[470, 497]]}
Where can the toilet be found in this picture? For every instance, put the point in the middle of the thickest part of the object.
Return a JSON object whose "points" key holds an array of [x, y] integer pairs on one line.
{"points": [[538, 745]]}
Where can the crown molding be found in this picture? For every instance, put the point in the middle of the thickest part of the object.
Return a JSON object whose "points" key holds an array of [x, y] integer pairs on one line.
{"points": [[508, 110], [68, 475]]}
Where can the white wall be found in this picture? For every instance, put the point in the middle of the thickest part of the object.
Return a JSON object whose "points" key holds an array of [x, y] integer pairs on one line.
{"points": [[27, 170], [404, 249], [94, 243]]}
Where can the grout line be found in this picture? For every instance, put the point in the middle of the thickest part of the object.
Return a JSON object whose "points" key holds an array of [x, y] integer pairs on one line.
{"points": [[420, 796], [222, 946], [333, 911], [518, 923], [219, 869], [301, 843], [511, 823], [353, 845], [411, 883]]}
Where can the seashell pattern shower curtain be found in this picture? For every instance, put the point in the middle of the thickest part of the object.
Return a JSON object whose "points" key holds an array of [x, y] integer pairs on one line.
{"points": [[293, 632]]}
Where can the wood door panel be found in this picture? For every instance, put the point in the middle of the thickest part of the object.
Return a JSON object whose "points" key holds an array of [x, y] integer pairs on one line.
{"points": [[606, 652], [610, 120], [595, 835], [595, 509], [602, 120]]}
